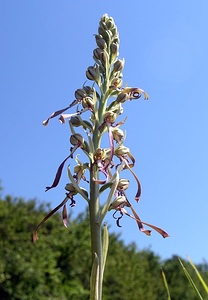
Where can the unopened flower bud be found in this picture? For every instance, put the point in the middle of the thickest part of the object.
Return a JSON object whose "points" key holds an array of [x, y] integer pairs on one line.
{"points": [[121, 151], [106, 34], [88, 102], [115, 32], [88, 90], [76, 139], [93, 73], [75, 121], [104, 19], [70, 188], [97, 53], [118, 66], [78, 168], [123, 184], [80, 94], [122, 97], [100, 42], [114, 50], [104, 57], [118, 134], [119, 201], [110, 117], [110, 23], [116, 83]]}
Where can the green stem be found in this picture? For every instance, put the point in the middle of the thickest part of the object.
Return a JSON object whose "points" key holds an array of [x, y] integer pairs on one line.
{"points": [[96, 237], [94, 203], [95, 227]]}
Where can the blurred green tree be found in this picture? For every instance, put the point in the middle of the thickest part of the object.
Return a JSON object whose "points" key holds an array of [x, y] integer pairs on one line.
{"points": [[58, 266]]}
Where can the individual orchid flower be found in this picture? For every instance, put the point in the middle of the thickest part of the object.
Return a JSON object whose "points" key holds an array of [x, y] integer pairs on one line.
{"points": [[119, 203], [88, 105], [71, 191], [118, 134], [78, 142], [82, 96], [79, 171], [123, 185], [123, 153], [102, 159]]}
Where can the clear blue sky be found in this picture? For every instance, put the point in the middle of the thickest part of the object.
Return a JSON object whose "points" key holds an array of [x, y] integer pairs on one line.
{"points": [[46, 47]]}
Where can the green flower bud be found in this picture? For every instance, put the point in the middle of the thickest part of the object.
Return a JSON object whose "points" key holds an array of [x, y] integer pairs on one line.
{"points": [[110, 117], [100, 55], [80, 94], [78, 168], [88, 102], [122, 97], [93, 73], [118, 134], [104, 58], [104, 19], [106, 34], [100, 42], [70, 188], [115, 33], [114, 50], [97, 53], [88, 89], [76, 139], [118, 66], [123, 184], [121, 151], [110, 23], [75, 121], [119, 201], [116, 40], [116, 83]]}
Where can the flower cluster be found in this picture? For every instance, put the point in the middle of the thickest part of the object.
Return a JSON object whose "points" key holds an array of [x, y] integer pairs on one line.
{"points": [[103, 101]]}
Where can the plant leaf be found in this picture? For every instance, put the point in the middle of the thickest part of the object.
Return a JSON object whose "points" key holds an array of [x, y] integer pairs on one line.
{"points": [[94, 282], [198, 275], [166, 284], [190, 280], [105, 246]]}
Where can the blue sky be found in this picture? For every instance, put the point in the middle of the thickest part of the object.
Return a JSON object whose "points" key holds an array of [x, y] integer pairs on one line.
{"points": [[46, 47]]}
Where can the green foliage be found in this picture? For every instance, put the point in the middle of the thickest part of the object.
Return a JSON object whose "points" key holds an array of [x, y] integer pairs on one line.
{"points": [[58, 266], [177, 281]]}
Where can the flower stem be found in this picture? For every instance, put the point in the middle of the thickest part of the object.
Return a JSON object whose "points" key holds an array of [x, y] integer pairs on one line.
{"points": [[95, 227]]}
